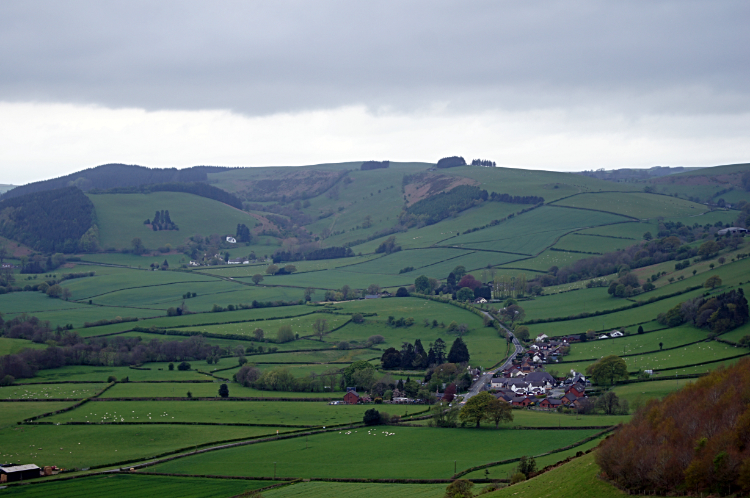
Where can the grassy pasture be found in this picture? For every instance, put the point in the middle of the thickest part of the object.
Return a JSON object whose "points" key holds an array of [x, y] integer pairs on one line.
{"points": [[12, 412], [247, 412], [635, 204], [544, 261], [473, 261], [160, 296], [101, 373], [643, 391], [392, 263], [47, 391], [121, 218], [138, 486], [335, 279], [430, 453], [302, 266], [301, 325], [133, 260], [532, 232], [632, 231], [737, 334], [689, 355], [12, 346], [357, 490], [296, 370], [507, 470], [125, 278], [592, 243], [571, 303], [201, 390], [85, 313], [33, 302], [576, 478], [87, 445], [634, 344], [534, 418]]}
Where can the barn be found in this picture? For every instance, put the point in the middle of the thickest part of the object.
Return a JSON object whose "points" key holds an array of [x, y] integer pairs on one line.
{"points": [[351, 398], [12, 473]]}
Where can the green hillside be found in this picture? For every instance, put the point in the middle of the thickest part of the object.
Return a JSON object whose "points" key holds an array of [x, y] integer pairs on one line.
{"points": [[121, 216]]}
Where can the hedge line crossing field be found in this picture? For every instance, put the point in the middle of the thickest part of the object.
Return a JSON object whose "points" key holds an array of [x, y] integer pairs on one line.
{"points": [[93, 445], [13, 412], [244, 412], [86, 373], [637, 205], [137, 486], [391, 452], [301, 325], [592, 244], [203, 390]]}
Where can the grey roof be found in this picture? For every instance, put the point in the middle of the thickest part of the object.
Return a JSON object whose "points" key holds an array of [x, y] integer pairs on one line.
{"points": [[19, 468], [540, 377]]}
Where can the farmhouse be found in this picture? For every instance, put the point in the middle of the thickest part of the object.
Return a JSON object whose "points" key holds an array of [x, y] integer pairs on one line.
{"points": [[616, 333], [12, 473], [231, 240], [550, 404], [351, 398], [541, 338]]}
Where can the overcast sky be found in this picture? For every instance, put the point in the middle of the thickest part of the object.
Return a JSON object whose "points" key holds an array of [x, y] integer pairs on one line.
{"points": [[545, 85]]}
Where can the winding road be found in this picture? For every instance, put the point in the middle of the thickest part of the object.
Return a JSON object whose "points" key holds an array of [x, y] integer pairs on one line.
{"points": [[480, 384]]}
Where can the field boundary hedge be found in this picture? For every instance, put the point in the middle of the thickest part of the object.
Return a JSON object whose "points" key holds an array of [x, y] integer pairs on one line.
{"points": [[32, 420], [511, 460], [185, 398], [636, 304]]}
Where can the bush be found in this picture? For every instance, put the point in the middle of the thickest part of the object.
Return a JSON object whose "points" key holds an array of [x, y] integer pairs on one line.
{"points": [[171, 366], [402, 292], [372, 417], [517, 477], [183, 366], [224, 391], [8, 380], [358, 318], [111, 378]]}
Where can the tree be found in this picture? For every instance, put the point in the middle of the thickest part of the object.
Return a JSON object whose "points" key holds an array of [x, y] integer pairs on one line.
{"points": [[272, 269], [391, 358], [371, 417], [522, 333], [224, 391], [259, 334], [499, 411], [470, 282], [459, 272], [364, 378], [284, 334], [526, 466], [475, 410], [640, 329], [712, 282], [514, 313], [247, 375], [257, 278], [465, 294], [459, 353], [137, 244], [8, 380], [373, 289], [348, 373], [647, 236], [608, 370], [708, 248], [608, 402], [460, 488], [171, 366], [422, 285], [320, 327], [183, 366], [54, 291], [402, 292]]}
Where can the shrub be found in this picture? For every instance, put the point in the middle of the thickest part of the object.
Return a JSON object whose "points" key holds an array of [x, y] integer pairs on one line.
{"points": [[224, 391], [8, 380], [171, 366], [111, 378], [183, 366], [371, 417], [358, 318]]}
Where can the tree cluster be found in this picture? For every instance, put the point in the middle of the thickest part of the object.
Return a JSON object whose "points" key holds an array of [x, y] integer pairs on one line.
{"points": [[313, 254], [516, 199], [388, 246], [719, 314], [486, 406], [483, 162], [451, 162], [367, 165], [696, 440], [437, 207], [243, 234], [161, 221]]}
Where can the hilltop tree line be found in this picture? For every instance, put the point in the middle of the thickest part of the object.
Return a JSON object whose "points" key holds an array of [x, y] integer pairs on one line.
{"points": [[451, 162], [483, 162], [696, 440], [414, 356], [50, 221], [367, 165], [110, 176], [161, 221], [719, 314]]}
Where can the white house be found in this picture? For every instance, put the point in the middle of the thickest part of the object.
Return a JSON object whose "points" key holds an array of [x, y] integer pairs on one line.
{"points": [[616, 333], [604, 336], [231, 240], [541, 338]]}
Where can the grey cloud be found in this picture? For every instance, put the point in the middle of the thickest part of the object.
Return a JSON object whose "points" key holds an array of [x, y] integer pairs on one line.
{"points": [[280, 56]]}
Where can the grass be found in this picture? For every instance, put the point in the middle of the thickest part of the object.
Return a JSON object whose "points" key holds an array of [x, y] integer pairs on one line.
{"points": [[159, 371], [637, 205], [137, 486], [201, 390], [12, 412], [535, 418], [689, 355], [301, 325], [121, 218], [576, 478], [88, 445], [13, 346], [246, 412], [635, 344], [506, 471], [357, 490], [407, 452], [592, 243], [571, 303], [54, 391], [641, 392]]}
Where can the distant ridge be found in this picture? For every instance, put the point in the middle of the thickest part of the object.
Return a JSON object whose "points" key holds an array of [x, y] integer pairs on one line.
{"points": [[110, 176]]}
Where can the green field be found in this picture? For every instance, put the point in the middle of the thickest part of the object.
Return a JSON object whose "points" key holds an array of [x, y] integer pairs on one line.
{"points": [[430, 453], [85, 373], [137, 486], [635, 343], [643, 391], [12, 412], [81, 446], [357, 490], [121, 218], [245, 412], [51, 391], [592, 243], [637, 205], [301, 325], [201, 390], [577, 478], [13, 346]]}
